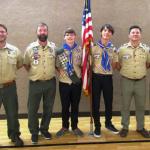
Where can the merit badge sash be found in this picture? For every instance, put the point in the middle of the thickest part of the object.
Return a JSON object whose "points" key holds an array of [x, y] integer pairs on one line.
{"points": [[66, 61]]}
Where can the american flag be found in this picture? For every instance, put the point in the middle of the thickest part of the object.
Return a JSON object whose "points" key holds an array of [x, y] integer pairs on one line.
{"points": [[87, 42]]}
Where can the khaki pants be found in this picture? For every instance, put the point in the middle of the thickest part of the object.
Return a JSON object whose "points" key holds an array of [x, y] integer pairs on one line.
{"points": [[137, 89]]}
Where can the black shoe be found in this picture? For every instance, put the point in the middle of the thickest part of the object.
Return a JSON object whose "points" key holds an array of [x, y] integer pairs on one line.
{"points": [[17, 140], [144, 133], [97, 132], [112, 128], [77, 132], [46, 135], [123, 132], [62, 132], [34, 138]]}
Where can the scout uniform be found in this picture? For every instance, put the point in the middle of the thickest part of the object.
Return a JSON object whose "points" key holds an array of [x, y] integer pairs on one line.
{"points": [[70, 85], [102, 59], [10, 60], [97, 58], [133, 71], [42, 84]]}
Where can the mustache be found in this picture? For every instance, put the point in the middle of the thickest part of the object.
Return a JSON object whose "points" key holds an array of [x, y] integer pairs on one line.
{"points": [[43, 37]]}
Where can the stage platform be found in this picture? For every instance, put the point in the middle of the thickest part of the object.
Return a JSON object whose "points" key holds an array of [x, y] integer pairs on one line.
{"points": [[70, 141]]}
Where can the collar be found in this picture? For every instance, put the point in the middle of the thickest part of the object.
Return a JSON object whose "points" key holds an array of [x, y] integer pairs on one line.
{"points": [[10, 47], [6, 45], [67, 47], [130, 45], [109, 44], [49, 44]]}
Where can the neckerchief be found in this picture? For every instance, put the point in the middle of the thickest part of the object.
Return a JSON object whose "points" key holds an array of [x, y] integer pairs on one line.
{"points": [[70, 61], [105, 62]]}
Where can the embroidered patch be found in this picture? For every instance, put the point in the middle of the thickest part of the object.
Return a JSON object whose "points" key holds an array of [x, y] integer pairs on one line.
{"points": [[96, 56], [127, 56]]}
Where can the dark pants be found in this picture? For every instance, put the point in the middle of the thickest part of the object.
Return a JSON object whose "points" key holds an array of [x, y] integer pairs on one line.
{"points": [[102, 83], [8, 97], [70, 96], [38, 90]]}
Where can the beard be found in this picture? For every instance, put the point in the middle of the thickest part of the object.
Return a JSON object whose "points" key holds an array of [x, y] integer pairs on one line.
{"points": [[2, 39], [43, 37]]}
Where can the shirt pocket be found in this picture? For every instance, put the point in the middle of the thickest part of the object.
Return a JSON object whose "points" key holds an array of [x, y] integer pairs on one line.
{"points": [[12, 59], [110, 56], [126, 56], [142, 57], [51, 59], [127, 59], [78, 59], [97, 58]]}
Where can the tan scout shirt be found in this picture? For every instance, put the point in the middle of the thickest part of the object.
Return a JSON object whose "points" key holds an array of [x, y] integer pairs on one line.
{"points": [[77, 60], [10, 60], [97, 57], [44, 68], [133, 60]]}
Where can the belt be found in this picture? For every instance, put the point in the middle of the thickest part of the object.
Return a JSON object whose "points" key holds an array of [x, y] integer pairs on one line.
{"points": [[7, 84], [41, 80], [101, 75], [134, 79], [38, 81]]}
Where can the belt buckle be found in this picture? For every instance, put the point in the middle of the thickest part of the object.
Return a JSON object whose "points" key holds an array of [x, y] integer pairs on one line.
{"points": [[1, 86]]}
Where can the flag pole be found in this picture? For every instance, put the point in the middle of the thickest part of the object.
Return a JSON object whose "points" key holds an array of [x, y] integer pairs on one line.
{"points": [[90, 86], [87, 42]]}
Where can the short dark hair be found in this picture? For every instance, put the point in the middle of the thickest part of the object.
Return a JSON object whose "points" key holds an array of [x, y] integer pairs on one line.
{"points": [[3, 26], [42, 24], [135, 27], [109, 27], [69, 30]]}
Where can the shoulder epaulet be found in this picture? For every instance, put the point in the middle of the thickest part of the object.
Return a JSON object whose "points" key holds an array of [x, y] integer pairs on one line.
{"points": [[145, 47], [124, 45], [51, 45], [11, 47], [32, 45], [114, 48]]}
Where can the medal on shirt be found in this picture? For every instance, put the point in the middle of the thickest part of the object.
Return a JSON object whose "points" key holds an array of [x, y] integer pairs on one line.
{"points": [[35, 62], [35, 56]]}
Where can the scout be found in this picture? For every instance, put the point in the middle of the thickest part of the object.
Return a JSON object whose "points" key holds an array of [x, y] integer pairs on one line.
{"points": [[133, 62], [69, 74], [39, 61], [104, 58], [10, 61]]}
